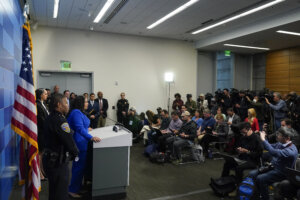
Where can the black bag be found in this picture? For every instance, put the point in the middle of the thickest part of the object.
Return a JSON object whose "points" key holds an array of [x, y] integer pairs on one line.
{"points": [[223, 186]]}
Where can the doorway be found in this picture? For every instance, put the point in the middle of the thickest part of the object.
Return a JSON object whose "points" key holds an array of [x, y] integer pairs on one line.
{"points": [[77, 82]]}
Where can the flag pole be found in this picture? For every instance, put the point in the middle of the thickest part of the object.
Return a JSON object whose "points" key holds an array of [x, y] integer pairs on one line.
{"points": [[26, 169]]}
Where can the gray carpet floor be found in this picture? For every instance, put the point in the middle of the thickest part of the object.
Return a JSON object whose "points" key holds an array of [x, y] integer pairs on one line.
{"points": [[150, 181]]}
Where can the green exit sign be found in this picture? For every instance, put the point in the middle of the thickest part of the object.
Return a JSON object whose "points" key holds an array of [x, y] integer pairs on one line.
{"points": [[65, 65], [227, 53]]}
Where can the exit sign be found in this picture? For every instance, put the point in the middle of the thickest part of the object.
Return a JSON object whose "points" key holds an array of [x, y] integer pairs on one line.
{"points": [[227, 53], [65, 65]]}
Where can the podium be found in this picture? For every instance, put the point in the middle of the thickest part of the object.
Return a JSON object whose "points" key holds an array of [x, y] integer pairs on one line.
{"points": [[111, 159]]}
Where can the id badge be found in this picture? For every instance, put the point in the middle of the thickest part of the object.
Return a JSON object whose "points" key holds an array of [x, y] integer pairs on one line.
{"points": [[130, 123]]}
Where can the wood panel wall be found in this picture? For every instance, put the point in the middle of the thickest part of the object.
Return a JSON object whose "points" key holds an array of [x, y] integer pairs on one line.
{"points": [[283, 70]]}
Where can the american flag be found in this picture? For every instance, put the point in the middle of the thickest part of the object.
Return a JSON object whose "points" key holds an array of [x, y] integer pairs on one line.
{"points": [[24, 121]]}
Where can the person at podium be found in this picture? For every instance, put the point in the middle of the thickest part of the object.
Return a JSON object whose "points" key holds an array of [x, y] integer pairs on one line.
{"points": [[80, 124]]}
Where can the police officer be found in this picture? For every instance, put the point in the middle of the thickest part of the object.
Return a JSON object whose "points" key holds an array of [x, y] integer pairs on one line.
{"points": [[59, 148], [122, 107]]}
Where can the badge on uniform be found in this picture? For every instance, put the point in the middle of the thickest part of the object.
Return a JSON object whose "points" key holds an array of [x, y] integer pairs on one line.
{"points": [[66, 127]]}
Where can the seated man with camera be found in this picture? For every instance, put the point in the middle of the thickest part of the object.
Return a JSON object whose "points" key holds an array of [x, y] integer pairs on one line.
{"points": [[249, 149], [284, 154]]}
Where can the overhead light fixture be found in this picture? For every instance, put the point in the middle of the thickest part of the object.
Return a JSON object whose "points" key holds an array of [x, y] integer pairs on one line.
{"points": [[288, 32], [239, 16], [55, 10], [171, 14], [247, 47], [103, 10]]}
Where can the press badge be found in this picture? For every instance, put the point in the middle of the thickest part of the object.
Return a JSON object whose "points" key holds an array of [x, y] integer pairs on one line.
{"points": [[130, 123], [66, 127]]}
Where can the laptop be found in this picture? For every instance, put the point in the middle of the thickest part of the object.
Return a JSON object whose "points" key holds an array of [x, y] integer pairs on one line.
{"points": [[231, 158], [293, 176]]}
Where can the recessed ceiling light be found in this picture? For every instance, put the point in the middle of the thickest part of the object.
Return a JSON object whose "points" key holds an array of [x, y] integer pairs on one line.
{"points": [[239, 16], [103, 10], [288, 32], [247, 47], [171, 14], [55, 10]]}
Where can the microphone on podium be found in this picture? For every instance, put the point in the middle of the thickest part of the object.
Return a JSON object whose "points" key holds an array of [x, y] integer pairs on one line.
{"points": [[118, 126]]}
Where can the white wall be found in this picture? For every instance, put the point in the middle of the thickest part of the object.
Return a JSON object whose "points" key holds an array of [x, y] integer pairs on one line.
{"points": [[206, 72], [137, 63], [242, 72]]}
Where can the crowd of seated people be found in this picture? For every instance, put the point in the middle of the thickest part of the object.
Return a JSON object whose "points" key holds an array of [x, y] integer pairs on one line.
{"points": [[237, 120]]}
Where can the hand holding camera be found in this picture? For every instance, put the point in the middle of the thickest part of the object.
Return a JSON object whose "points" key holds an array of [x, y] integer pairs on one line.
{"points": [[262, 135]]}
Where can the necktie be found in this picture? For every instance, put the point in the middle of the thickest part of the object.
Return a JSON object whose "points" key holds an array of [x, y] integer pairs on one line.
{"points": [[101, 104], [92, 103]]}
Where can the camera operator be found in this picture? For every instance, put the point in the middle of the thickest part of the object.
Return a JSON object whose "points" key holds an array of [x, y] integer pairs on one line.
{"points": [[295, 136], [242, 106], [257, 104], [249, 148], [279, 109], [225, 101], [284, 154]]}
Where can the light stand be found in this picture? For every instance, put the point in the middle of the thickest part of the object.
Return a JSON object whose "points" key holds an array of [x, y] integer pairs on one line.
{"points": [[169, 78]]}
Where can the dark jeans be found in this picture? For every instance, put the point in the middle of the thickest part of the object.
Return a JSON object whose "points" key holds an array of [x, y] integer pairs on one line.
{"points": [[58, 178], [239, 169], [287, 190], [175, 144], [264, 180], [206, 140], [162, 142]]}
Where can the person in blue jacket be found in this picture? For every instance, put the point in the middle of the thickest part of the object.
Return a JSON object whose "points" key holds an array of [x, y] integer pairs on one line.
{"points": [[80, 124]]}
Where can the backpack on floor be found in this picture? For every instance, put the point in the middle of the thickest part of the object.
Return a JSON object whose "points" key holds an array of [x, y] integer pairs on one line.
{"points": [[223, 186], [247, 190], [197, 153]]}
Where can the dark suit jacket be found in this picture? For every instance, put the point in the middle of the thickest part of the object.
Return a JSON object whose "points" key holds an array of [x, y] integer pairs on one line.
{"points": [[104, 107], [236, 119], [235, 123], [93, 109], [41, 117]]}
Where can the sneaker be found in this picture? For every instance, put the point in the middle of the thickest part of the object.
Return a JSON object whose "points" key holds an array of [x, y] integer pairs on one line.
{"points": [[177, 162], [74, 195]]}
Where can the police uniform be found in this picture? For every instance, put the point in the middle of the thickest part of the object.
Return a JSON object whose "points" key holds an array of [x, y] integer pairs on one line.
{"points": [[59, 149], [122, 106]]}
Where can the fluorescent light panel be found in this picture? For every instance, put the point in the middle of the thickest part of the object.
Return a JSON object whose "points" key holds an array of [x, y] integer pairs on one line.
{"points": [[103, 10], [239, 16], [55, 9], [171, 14], [288, 32], [247, 47]]}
